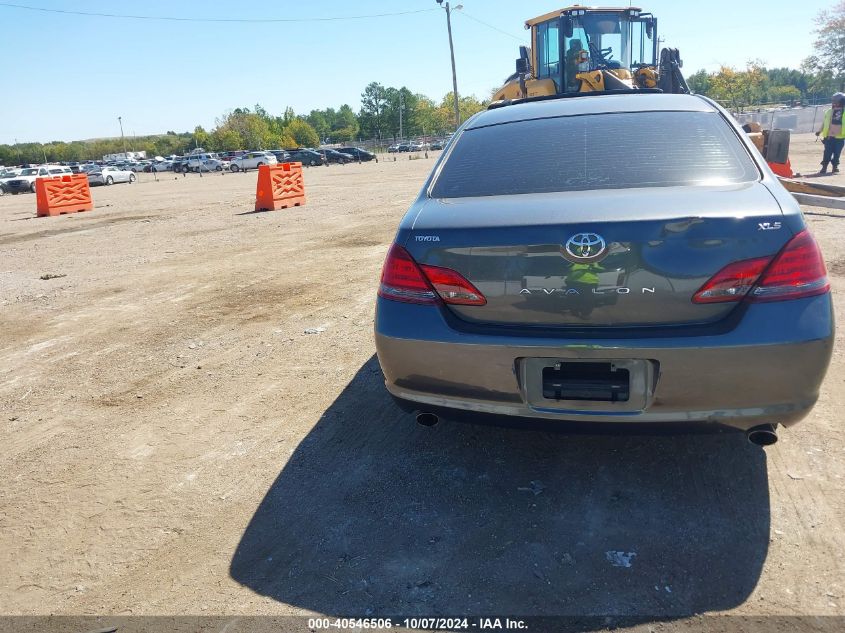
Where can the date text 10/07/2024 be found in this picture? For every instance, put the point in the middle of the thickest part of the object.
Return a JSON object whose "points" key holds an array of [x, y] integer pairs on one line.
{"points": [[431, 624]]}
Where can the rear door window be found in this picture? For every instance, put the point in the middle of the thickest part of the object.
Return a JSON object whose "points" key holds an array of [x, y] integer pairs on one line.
{"points": [[602, 151]]}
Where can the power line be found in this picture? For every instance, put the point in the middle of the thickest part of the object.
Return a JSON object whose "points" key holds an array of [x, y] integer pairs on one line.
{"points": [[242, 20], [490, 26]]}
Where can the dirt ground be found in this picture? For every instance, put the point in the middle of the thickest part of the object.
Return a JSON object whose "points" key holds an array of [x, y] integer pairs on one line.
{"points": [[175, 442]]}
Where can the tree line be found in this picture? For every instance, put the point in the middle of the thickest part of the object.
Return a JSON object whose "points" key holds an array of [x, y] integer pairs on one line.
{"points": [[756, 85], [820, 75], [386, 115]]}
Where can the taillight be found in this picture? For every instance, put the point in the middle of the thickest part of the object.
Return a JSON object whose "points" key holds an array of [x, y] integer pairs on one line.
{"points": [[402, 279], [797, 271], [453, 287], [731, 283]]}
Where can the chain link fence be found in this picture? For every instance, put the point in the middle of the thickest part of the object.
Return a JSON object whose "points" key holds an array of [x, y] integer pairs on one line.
{"points": [[797, 120]]}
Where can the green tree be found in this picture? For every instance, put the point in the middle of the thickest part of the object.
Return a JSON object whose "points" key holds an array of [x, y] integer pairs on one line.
{"points": [[829, 47], [699, 82], [226, 139], [373, 103], [788, 77], [282, 140], [428, 119], [252, 130], [394, 100], [467, 106], [334, 125], [201, 138], [288, 116], [319, 121], [738, 89], [302, 133], [821, 84], [345, 125], [783, 94]]}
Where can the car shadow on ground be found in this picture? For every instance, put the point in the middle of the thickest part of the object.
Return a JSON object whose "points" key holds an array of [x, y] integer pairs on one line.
{"points": [[376, 515]]}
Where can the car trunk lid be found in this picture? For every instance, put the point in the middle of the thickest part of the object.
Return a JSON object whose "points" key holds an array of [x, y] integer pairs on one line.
{"points": [[533, 258]]}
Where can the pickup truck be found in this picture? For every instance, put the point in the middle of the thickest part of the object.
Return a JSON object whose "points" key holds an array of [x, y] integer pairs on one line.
{"points": [[25, 181]]}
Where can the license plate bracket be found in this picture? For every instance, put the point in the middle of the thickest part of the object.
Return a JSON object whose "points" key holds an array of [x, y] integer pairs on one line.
{"points": [[594, 382], [588, 384]]}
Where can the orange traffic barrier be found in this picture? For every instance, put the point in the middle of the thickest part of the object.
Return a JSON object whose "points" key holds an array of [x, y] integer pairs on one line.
{"points": [[279, 187], [68, 194], [782, 169]]}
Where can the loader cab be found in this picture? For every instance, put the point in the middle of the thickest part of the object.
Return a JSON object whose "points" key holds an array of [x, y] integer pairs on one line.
{"points": [[578, 39]]}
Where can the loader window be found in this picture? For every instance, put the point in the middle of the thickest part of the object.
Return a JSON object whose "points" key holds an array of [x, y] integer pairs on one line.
{"points": [[607, 37], [602, 151], [548, 50], [642, 46]]}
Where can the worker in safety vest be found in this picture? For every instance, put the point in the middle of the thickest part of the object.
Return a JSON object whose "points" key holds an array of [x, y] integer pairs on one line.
{"points": [[833, 133]]}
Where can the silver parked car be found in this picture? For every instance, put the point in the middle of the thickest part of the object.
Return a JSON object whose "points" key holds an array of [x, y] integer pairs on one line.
{"points": [[110, 175], [162, 165], [620, 258], [203, 162], [252, 160]]}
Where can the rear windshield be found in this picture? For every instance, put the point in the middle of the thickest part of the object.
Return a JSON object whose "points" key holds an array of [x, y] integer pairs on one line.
{"points": [[607, 151]]}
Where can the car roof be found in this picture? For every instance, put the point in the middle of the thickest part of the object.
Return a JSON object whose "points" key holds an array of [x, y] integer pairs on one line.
{"points": [[595, 104]]}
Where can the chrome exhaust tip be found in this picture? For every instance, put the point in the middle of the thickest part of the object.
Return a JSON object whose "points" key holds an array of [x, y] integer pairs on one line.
{"points": [[427, 419], [762, 435]]}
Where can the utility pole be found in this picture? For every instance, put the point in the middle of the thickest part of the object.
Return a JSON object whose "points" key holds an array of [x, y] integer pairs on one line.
{"points": [[401, 107], [120, 120], [448, 10], [378, 115]]}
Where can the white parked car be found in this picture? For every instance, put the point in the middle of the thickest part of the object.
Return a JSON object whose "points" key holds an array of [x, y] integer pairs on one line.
{"points": [[109, 176], [252, 160], [203, 162], [162, 165], [139, 166]]}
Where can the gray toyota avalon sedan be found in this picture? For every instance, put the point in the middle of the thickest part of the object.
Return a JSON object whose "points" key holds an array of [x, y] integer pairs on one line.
{"points": [[608, 258]]}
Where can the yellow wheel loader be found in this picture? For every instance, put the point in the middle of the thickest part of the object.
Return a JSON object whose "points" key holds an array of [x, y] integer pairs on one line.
{"points": [[584, 49], [580, 50]]}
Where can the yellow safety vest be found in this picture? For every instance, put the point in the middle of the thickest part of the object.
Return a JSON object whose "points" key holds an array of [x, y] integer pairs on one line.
{"points": [[826, 125]]}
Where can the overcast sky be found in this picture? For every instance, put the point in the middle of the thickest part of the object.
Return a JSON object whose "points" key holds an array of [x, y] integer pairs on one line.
{"points": [[69, 77]]}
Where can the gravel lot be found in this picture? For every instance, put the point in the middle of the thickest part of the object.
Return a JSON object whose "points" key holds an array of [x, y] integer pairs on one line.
{"points": [[175, 442]]}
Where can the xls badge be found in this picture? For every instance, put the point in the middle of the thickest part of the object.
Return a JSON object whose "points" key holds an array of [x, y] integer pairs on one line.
{"points": [[585, 247]]}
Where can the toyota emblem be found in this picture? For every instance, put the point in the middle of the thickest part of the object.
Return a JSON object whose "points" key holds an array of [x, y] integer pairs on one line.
{"points": [[585, 246]]}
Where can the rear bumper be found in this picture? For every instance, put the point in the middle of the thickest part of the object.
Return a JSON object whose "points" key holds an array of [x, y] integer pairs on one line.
{"points": [[767, 369]]}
